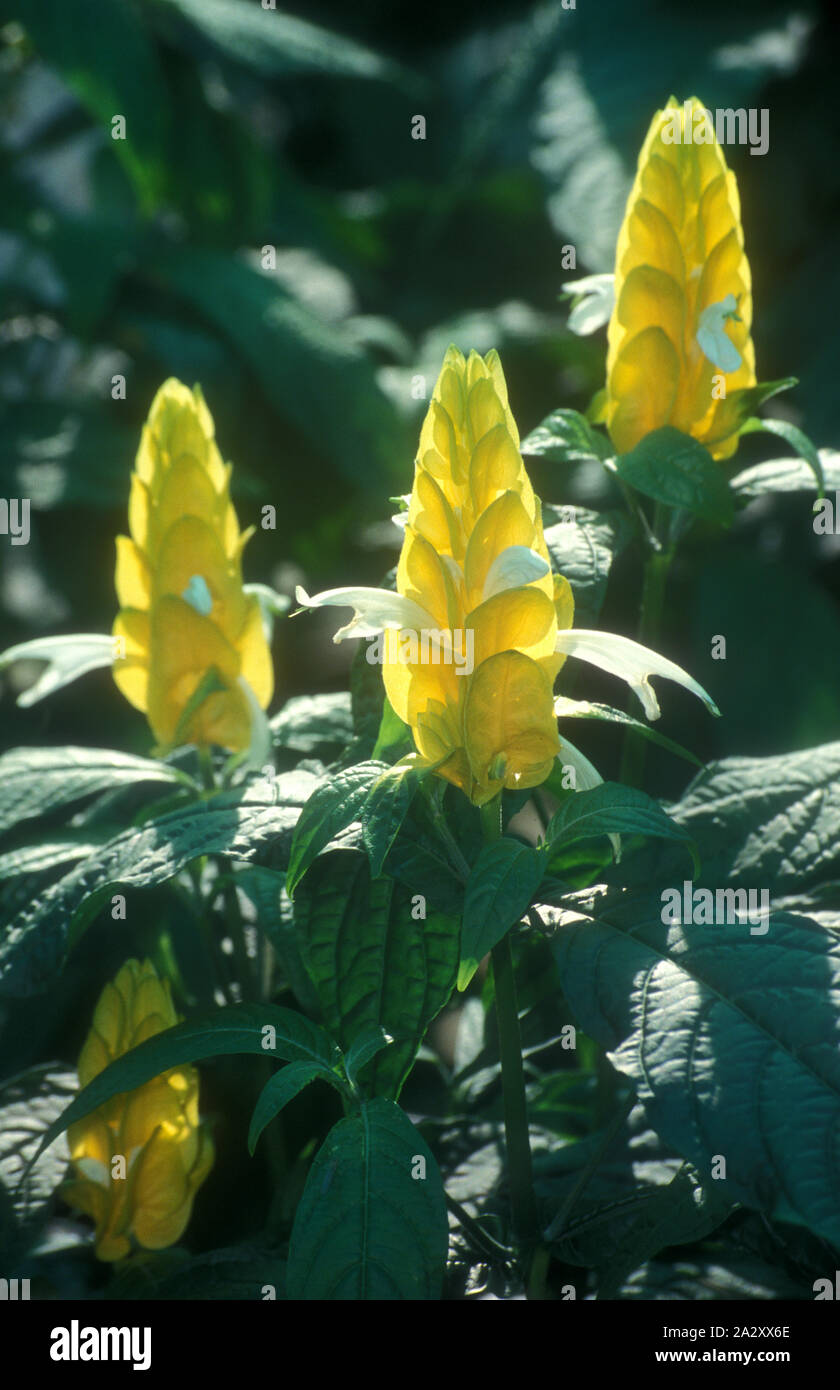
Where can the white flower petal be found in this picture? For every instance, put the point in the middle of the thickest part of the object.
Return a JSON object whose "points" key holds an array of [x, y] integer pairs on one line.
{"points": [[631, 662], [587, 776], [513, 567], [374, 610], [595, 300], [197, 594], [714, 341], [94, 1170], [67, 658]]}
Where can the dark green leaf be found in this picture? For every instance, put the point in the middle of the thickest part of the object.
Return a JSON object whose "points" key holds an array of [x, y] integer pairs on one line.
{"points": [[282, 1087], [673, 468], [265, 1030], [372, 1220], [35, 781], [502, 884], [582, 545], [797, 440], [377, 956], [242, 824], [564, 437], [730, 1035], [612, 809], [334, 805]]}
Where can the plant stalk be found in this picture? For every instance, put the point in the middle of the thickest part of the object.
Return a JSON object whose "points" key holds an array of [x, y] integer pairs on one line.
{"points": [[517, 1146]]}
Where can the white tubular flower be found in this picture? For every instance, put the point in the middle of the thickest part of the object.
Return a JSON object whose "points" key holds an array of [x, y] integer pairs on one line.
{"points": [[631, 662]]}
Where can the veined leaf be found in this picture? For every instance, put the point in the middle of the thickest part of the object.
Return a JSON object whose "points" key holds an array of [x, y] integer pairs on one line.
{"points": [[730, 1038], [673, 468], [565, 708], [793, 436], [266, 1030], [582, 545], [282, 1087], [239, 824], [613, 809], [334, 805], [500, 888], [371, 1223], [35, 781], [377, 957], [566, 437]]}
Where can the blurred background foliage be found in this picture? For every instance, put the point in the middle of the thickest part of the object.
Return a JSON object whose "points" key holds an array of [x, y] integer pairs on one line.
{"points": [[249, 128]]}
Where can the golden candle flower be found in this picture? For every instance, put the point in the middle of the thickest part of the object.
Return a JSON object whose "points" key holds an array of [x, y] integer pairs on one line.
{"points": [[479, 625], [194, 656], [679, 335], [138, 1160]]}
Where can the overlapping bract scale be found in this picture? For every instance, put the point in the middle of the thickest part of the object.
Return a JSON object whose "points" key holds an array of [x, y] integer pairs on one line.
{"points": [[474, 558], [681, 275], [165, 1152], [185, 621]]}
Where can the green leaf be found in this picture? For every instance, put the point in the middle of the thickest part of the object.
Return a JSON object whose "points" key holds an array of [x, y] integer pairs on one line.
{"points": [[500, 888], [797, 440], [584, 709], [758, 823], [242, 824], [240, 1028], [266, 889], [613, 809], [741, 404], [376, 956], [282, 1087], [310, 370], [616, 1237], [566, 437], [307, 723], [730, 1037], [103, 52], [582, 545], [368, 1226], [787, 475], [37, 781], [384, 811], [673, 468], [29, 1103], [238, 1272], [334, 805], [279, 45], [394, 735], [368, 1043]]}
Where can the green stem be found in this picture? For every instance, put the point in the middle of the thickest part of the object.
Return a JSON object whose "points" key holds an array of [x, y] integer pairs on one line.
{"points": [[520, 1176], [654, 581]]}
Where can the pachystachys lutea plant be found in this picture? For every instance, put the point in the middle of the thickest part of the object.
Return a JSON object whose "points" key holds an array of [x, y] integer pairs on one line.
{"points": [[479, 626], [138, 1161], [680, 325], [190, 644]]}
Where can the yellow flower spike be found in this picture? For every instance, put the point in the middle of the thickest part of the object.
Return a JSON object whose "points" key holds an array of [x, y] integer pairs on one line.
{"points": [[479, 626], [155, 1128], [195, 658], [683, 298]]}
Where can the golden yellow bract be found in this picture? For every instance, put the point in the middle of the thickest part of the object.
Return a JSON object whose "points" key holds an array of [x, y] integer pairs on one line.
{"points": [[472, 516], [680, 257], [167, 1153], [185, 621]]}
